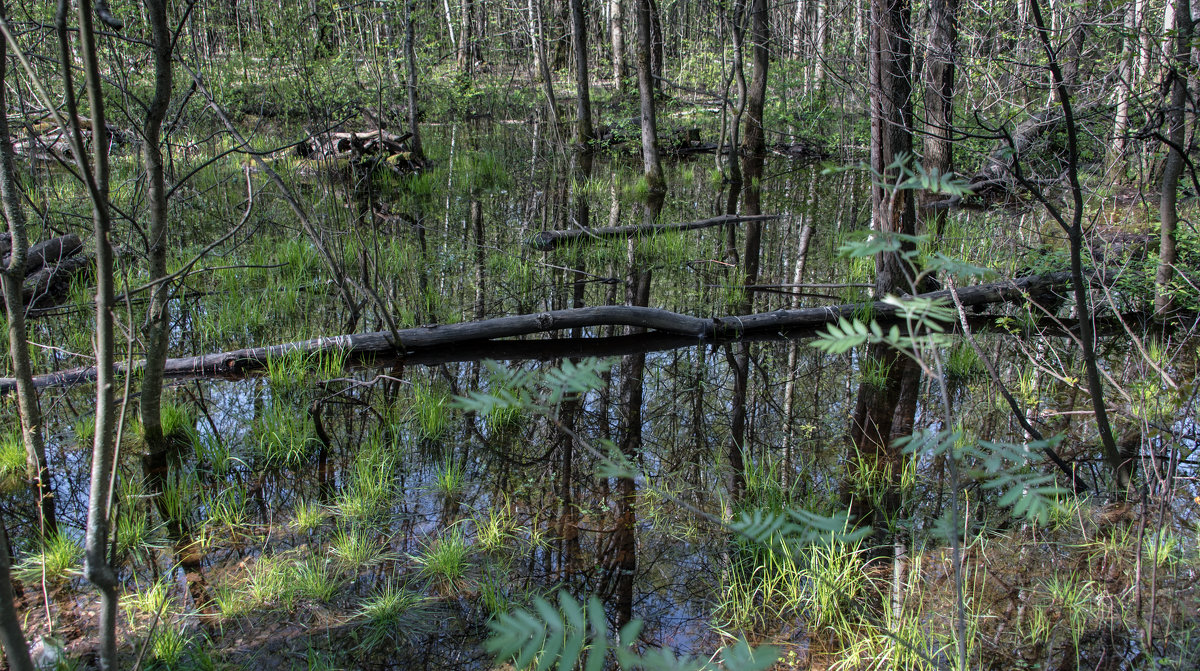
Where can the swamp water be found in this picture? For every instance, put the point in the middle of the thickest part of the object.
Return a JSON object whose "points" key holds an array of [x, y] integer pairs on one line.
{"points": [[328, 515]]}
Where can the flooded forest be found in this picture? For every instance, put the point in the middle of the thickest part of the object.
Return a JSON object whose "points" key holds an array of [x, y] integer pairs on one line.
{"points": [[599, 334]]}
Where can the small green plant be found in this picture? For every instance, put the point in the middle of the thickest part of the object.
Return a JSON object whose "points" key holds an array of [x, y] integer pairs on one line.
{"points": [[147, 603], [170, 646], [178, 421], [963, 362], [270, 581], [448, 480]]}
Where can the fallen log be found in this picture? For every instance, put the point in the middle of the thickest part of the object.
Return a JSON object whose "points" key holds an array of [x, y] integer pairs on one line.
{"points": [[413, 341], [548, 240], [52, 251], [44, 288]]}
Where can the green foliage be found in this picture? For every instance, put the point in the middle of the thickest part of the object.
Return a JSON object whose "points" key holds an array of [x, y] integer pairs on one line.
{"points": [[549, 637], [445, 560]]}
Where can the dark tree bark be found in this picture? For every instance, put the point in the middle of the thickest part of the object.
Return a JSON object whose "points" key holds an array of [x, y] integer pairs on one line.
{"points": [[1177, 79]]}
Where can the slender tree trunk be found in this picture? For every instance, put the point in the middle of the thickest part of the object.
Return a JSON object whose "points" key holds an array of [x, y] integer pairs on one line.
{"points": [[410, 57], [583, 98], [754, 138], [1177, 78], [1122, 466], [97, 567], [13, 278], [650, 160]]}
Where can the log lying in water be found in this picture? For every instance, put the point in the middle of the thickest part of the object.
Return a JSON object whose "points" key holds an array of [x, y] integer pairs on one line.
{"points": [[548, 240], [423, 338]]}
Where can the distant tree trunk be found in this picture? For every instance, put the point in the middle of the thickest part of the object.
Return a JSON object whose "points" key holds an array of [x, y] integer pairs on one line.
{"points": [[1177, 78], [13, 278], [822, 33], [939, 97], [157, 327], [617, 26], [1115, 161], [583, 98], [650, 160], [466, 38], [410, 56]]}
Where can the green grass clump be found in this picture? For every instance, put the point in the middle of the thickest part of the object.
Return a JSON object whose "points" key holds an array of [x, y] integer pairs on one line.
{"points": [[444, 561], [432, 411], [12, 461], [387, 615], [59, 558], [448, 480], [284, 437], [308, 516], [357, 548], [964, 363], [312, 579]]}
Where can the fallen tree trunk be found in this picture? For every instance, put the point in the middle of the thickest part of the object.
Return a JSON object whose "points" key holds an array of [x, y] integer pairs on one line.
{"points": [[548, 240], [413, 341]]}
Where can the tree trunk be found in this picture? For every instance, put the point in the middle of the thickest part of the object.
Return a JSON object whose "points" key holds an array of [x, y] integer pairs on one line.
{"points": [[650, 160], [939, 98], [583, 98], [13, 279], [466, 38], [410, 58], [157, 327], [16, 649], [97, 567], [890, 57], [617, 26], [754, 139], [1176, 133]]}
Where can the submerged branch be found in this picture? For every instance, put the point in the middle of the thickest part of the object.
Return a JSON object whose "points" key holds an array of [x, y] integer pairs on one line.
{"points": [[548, 240], [422, 339]]}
